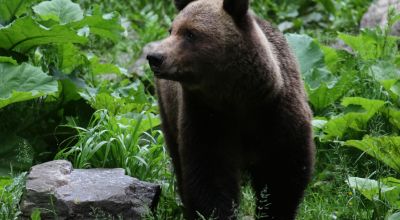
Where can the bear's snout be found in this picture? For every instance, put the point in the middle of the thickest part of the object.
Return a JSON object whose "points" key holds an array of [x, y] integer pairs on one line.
{"points": [[155, 61]]}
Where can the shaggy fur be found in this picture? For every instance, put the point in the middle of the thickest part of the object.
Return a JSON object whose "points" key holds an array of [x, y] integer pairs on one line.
{"points": [[232, 102]]}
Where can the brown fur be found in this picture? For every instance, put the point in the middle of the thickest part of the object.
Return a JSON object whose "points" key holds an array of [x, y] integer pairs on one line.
{"points": [[232, 102]]}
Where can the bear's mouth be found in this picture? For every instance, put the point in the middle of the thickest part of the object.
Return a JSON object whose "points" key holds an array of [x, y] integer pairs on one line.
{"points": [[160, 72], [183, 77], [157, 72], [160, 75], [164, 75]]}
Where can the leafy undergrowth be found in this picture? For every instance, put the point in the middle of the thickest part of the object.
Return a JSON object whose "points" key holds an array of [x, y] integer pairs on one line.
{"points": [[68, 90], [11, 189], [355, 97]]}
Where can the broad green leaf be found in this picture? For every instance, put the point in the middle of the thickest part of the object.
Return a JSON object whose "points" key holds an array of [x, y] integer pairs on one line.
{"points": [[385, 149], [369, 104], [395, 88], [328, 92], [25, 33], [23, 82], [387, 189], [319, 76], [394, 117], [103, 68], [70, 85], [388, 75], [368, 187], [62, 11], [384, 70], [134, 92], [125, 99], [147, 121], [307, 52], [328, 5], [12, 8], [390, 181], [113, 105], [70, 57], [360, 110], [395, 216], [318, 124], [331, 58], [392, 86], [8, 60], [70, 90], [365, 46], [322, 86], [107, 26]]}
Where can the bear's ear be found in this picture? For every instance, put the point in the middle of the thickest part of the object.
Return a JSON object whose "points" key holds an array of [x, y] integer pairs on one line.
{"points": [[181, 4], [236, 8]]}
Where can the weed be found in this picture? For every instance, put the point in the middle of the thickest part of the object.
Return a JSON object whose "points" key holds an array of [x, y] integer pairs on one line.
{"points": [[10, 194]]}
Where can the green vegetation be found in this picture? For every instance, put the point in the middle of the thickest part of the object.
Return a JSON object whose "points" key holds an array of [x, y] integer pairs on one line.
{"points": [[355, 99], [68, 90]]}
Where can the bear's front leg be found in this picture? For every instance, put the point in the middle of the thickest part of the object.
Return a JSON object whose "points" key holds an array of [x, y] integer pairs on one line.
{"points": [[210, 164], [210, 184]]}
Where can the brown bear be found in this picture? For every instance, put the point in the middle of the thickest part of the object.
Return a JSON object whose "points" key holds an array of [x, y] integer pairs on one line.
{"points": [[232, 102]]}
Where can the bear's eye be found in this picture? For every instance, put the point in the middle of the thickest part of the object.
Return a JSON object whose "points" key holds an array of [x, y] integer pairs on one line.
{"points": [[170, 31], [189, 35]]}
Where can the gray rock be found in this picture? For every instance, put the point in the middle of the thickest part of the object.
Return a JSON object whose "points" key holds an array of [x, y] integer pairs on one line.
{"points": [[377, 15], [338, 44], [60, 191]]}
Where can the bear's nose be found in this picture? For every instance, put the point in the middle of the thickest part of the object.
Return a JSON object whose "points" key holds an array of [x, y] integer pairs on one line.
{"points": [[155, 59]]}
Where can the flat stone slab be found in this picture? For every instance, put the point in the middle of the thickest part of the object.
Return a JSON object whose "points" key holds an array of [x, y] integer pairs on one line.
{"points": [[58, 190], [377, 15]]}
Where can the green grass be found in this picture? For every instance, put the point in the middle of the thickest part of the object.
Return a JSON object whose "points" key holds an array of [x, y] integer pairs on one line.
{"points": [[328, 197]]}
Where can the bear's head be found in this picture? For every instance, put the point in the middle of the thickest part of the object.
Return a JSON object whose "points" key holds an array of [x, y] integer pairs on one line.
{"points": [[203, 42]]}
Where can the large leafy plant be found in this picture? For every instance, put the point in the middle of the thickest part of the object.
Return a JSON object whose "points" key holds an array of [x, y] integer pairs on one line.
{"points": [[43, 68], [349, 90], [300, 15]]}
